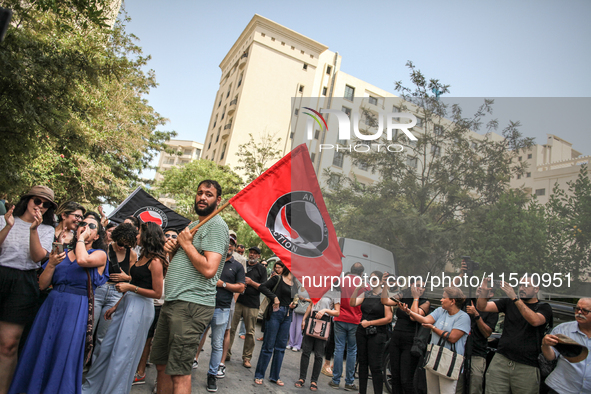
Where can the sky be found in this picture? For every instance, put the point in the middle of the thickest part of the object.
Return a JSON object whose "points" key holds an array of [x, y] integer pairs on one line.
{"points": [[495, 49]]}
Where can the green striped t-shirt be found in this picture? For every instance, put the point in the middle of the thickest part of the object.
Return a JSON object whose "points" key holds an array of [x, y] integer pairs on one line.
{"points": [[183, 281]]}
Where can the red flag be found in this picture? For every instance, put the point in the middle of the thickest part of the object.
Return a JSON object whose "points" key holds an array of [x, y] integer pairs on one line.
{"points": [[285, 208]]}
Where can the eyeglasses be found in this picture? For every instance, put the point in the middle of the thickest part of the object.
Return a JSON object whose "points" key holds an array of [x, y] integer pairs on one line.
{"points": [[173, 236], [79, 217], [582, 310], [121, 244], [91, 225], [45, 204]]}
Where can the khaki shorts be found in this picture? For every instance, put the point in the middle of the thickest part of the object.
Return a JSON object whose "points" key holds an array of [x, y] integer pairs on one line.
{"points": [[176, 340]]}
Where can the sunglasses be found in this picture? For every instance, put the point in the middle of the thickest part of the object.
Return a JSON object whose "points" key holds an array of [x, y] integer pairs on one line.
{"points": [[122, 245], [91, 225], [173, 236], [582, 310], [79, 217], [45, 204]]}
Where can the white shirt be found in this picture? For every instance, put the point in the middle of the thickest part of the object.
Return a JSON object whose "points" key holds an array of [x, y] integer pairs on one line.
{"points": [[15, 248]]}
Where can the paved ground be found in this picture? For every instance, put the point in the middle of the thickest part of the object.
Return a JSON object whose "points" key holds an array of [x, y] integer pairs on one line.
{"points": [[241, 380]]}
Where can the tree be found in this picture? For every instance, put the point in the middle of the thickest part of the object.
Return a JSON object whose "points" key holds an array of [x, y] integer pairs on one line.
{"points": [[569, 227], [181, 184], [256, 157], [73, 113], [417, 207]]}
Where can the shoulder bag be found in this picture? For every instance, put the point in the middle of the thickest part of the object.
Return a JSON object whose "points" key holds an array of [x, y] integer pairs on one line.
{"points": [[269, 309], [443, 361], [318, 328]]}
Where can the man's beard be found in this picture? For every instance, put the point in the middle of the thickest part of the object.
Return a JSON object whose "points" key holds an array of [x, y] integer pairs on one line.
{"points": [[205, 211], [252, 261]]}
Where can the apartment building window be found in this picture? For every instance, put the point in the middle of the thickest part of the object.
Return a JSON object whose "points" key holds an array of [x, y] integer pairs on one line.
{"points": [[229, 90], [188, 152], [528, 175], [305, 68], [435, 150], [347, 111], [240, 79], [324, 91], [519, 158], [317, 134], [215, 122], [540, 192], [210, 140], [396, 109], [362, 166], [313, 157], [217, 138], [349, 92], [373, 100], [519, 176], [411, 161], [301, 89], [296, 112], [419, 122], [170, 160], [197, 153], [338, 158], [221, 97], [529, 156], [224, 112], [213, 156], [223, 151], [438, 130], [328, 69]]}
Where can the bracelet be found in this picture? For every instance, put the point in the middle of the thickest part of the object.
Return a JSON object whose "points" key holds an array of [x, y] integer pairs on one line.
{"points": [[415, 299], [81, 241], [136, 289]]}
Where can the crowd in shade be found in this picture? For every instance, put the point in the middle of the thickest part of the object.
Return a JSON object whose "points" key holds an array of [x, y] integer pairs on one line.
{"points": [[86, 304]]}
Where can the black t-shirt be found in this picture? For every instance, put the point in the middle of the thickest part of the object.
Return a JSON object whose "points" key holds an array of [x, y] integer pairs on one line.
{"points": [[284, 292], [251, 298], [372, 307], [233, 272], [520, 341], [479, 342], [403, 322]]}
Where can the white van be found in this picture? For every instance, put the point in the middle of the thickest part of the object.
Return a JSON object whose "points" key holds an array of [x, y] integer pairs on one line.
{"points": [[373, 257]]}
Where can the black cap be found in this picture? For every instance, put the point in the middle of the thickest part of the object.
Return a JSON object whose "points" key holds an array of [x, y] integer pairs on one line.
{"points": [[255, 248]]}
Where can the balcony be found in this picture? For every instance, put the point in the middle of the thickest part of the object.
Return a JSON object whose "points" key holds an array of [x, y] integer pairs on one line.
{"points": [[232, 108], [242, 61], [226, 133], [227, 127]]}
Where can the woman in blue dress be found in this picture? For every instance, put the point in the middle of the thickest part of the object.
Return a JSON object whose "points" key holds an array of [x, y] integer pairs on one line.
{"points": [[52, 358], [116, 360]]}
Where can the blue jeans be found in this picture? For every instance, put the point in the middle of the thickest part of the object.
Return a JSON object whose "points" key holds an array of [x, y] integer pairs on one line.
{"points": [[276, 336], [218, 325], [344, 333], [105, 297]]}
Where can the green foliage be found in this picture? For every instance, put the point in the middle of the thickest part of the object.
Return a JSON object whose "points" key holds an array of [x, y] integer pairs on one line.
{"points": [[255, 157], [181, 184], [508, 236], [73, 113], [569, 227], [418, 213]]}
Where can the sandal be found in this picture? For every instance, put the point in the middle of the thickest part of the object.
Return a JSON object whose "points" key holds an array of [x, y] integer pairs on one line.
{"points": [[278, 382], [258, 381], [327, 371], [300, 383], [313, 386]]}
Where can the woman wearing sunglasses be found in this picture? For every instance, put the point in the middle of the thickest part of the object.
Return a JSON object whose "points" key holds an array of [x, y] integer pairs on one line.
{"points": [[115, 365], [26, 234], [121, 257], [53, 355], [68, 217]]}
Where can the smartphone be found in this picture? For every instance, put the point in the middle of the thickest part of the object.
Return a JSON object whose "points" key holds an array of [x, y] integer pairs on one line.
{"points": [[57, 247]]}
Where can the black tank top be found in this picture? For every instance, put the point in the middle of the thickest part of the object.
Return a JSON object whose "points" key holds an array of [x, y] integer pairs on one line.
{"points": [[141, 276], [116, 267]]}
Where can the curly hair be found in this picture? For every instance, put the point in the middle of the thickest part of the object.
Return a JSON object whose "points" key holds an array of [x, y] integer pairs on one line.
{"points": [[152, 241], [133, 220], [99, 243], [126, 233], [21, 207]]}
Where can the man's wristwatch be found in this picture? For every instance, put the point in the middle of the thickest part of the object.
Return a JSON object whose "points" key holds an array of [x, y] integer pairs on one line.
{"points": [[224, 284], [476, 317], [515, 299]]}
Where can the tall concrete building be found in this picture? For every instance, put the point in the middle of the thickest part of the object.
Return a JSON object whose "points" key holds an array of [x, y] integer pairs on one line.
{"points": [[553, 162]]}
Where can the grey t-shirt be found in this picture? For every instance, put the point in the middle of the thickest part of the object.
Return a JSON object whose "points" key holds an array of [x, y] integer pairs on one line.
{"points": [[15, 248], [328, 301]]}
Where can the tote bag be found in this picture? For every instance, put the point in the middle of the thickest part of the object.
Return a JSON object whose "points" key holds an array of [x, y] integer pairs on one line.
{"points": [[443, 361]]}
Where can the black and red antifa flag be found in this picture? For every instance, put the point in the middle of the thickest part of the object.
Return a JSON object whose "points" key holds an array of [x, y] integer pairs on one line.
{"points": [[284, 206], [147, 209]]}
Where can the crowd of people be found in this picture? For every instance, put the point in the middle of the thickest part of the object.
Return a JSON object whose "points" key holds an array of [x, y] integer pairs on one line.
{"points": [[89, 302]]}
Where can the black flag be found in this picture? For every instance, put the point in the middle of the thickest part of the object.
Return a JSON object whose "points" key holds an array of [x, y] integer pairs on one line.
{"points": [[147, 209]]}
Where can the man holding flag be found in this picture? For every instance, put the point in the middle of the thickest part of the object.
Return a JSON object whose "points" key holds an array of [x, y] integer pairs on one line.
{"points": [[190, 292]]}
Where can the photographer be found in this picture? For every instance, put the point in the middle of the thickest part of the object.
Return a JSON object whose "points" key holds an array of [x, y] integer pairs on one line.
{"points": [[372, 333]]}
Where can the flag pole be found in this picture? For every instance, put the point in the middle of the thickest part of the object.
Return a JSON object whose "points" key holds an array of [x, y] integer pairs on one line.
{"points": [[220, 209]]}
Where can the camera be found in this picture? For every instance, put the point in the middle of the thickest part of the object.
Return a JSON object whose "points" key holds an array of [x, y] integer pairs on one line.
{"points": [[371, 330], [471, 266]]}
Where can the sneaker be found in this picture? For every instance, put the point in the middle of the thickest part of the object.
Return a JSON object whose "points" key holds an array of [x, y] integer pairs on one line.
{"points": [[288, 347], [211, 383], [139, 379], [351, 387], [221, 371], [333, 385], [195, 363], [293, 349]]}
